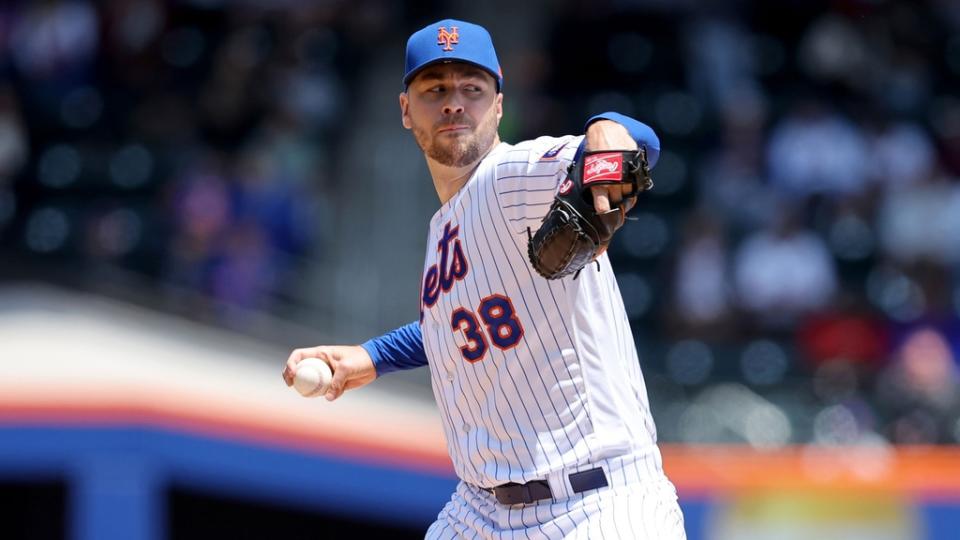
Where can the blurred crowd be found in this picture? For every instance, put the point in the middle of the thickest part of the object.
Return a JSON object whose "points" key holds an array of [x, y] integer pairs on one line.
{"points": [[797, 268], [794, 276], [186, 141]]}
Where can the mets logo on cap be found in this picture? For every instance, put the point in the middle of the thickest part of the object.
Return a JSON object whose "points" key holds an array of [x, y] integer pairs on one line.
{"points": [[448, 39]]}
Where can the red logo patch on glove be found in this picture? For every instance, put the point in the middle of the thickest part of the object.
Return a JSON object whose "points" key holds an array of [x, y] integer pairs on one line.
{"points": [[606, 167]]}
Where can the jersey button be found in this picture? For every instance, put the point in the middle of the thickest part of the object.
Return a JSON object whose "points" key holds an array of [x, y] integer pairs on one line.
{"points": [[466, 428], [450, 376]]}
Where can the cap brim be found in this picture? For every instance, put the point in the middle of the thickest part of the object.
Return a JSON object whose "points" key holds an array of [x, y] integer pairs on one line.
{"points": [[416, 71]]}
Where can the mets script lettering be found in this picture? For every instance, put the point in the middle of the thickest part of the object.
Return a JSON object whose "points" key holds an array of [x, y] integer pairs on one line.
{"points": [[451, 266]]}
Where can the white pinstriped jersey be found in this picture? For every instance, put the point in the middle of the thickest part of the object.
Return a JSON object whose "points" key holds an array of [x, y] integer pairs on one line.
{"points": [[530, 375]]}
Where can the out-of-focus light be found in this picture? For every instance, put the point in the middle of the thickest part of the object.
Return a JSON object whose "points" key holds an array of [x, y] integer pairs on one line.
{"points": [[872, 457], [928, 366], [835, 425], [678, 113], [118, 232], [182, 47], [700, 424], [646, 237], [763, 363], [767, 427], [59, 166], [629, 52], [131, 166], [850, 238], [734, 413], [670, 174], [636, 293], [668, 419], [834, 381], [895, 293], [917, 426], [47, 230], [81, 108], [689, 362]]}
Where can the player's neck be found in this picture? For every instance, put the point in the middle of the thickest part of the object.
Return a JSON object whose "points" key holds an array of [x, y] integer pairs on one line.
{"points": [[448, 180]]}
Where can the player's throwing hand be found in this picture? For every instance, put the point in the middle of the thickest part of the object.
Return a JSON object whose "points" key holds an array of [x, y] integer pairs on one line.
{"points": [[351, 365]]}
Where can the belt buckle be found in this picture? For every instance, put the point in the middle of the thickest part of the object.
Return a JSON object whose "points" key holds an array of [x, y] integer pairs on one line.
{"points": [[526, 496], [514, 493], [586, 480]]}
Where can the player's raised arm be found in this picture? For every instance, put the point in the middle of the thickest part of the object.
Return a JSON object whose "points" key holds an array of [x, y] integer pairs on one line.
{"points": [[527, 177], [354, 366], [609, 171], [642, 134], [615, 131]]}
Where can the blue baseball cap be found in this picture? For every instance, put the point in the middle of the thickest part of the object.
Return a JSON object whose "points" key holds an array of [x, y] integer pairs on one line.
{"points": [[451, 40]]}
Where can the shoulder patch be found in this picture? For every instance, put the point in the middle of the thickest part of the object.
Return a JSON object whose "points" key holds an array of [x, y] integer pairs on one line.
{"points": [[551, 154]]}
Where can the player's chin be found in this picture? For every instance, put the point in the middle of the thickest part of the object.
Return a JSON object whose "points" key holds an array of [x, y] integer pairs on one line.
{"points": [[450, 147]]}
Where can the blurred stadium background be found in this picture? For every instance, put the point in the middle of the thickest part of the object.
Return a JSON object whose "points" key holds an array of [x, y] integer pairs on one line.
{"points": [[189, 189]]}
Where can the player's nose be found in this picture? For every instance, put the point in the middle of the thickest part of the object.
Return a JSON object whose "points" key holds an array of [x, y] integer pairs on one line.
{"points": [[453, 105]]}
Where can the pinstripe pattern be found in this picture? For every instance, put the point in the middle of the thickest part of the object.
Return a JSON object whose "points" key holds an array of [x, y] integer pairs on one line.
{"points": [[640, 504], [564, 395]]}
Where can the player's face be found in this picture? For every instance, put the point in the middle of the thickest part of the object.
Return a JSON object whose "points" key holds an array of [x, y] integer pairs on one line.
{"points": [[454, 111]]}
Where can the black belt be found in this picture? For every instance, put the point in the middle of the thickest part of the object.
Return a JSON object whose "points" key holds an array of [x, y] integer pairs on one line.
{"points": [[536, 490]]}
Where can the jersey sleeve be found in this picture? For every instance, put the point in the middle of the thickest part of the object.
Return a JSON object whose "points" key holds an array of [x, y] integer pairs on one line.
{"points": [[397, 350], [640, 132], [527, 178]]}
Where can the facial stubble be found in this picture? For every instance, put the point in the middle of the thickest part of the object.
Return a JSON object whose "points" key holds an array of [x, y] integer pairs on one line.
{"points": [[457, 151]]}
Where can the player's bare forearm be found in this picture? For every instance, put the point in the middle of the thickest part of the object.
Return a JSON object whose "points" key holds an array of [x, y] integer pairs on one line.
{"points": [[608, 135], [351, 364]]}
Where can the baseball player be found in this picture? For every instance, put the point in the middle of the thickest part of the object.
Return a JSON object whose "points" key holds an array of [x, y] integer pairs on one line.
{"points": [[544, 407]]}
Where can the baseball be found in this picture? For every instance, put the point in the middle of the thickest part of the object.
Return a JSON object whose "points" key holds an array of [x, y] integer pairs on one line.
{"points": [[312, 377]]}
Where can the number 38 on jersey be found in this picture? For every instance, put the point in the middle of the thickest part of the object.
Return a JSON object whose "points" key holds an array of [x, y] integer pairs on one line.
{"points": [[497, 324], [493, 322]]}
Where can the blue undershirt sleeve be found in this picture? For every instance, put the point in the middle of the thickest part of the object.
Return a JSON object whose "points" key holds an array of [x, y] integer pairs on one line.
{"points": [[397, 350], [639, 131]]}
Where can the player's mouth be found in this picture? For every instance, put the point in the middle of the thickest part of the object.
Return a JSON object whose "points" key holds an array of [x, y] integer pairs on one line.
{"points": [[453, 128]]}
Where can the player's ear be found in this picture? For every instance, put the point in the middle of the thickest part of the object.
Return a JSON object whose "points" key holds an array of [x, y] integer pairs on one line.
{"points": [[405, 109], [498, 102]]}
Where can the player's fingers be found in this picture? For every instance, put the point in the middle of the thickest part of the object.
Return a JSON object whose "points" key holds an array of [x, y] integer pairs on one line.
{"points": [[339, 383], [290, 369], [336, 388], [601, 200], [616, 195]]}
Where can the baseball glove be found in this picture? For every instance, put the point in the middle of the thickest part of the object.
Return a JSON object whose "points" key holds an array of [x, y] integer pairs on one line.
{"points": [[572, 233]]}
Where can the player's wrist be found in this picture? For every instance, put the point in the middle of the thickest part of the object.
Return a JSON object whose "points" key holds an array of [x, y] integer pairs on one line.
{"points": [[604, 134], [368, 355]]}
